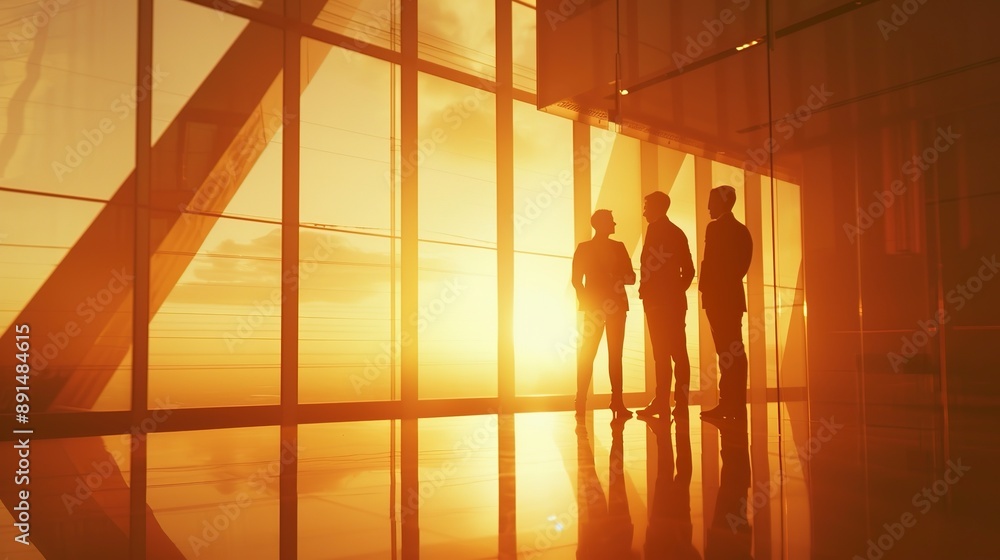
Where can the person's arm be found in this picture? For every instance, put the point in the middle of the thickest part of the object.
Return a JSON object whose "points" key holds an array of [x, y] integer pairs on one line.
{"points": [[746, 253], [707, 261], [687, 265]]}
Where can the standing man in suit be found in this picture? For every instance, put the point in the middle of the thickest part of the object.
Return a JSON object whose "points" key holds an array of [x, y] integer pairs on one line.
{"points": [[666, 273], [728, 248], [607, 268]]}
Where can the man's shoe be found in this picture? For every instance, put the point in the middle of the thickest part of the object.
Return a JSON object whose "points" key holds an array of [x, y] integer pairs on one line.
{"points": [[654, 408], [717, 413], [725, 413], [619, 409]]}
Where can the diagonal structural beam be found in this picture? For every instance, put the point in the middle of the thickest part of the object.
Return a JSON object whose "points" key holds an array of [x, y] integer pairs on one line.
{"points": [[77, 351]]}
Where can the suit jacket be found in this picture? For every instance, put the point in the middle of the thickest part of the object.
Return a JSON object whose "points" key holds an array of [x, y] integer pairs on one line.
{"points": [[666, 266], [606, 267], [728, 249]]}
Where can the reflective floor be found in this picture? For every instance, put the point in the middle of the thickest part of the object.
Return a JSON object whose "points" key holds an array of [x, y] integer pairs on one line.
{"points": [[545, 485]]}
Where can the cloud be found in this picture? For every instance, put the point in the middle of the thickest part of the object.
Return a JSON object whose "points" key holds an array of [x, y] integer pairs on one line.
{"points": [[336, 267]]}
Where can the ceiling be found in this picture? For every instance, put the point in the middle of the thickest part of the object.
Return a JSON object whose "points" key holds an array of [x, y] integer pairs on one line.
{"points": [[828, 67]]}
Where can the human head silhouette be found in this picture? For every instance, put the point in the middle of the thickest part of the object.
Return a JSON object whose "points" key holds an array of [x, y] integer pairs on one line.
{"points": [[603, 222], [656, 205], [721, 200]]}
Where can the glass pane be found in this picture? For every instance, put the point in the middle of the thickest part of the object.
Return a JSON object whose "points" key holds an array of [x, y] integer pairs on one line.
{"points": [[791, 314], [346, 471], [345, 141], [545, 333], [175, 22], [543, 182], [347, 351], [77, 487], [69, 284], [765, 325], [215, 296], [457, 321], [218, 127], [67, 259], [69, 93], [544, 301], [348, 332], [215, 492], [458, 34], [215, 340], [524, 47], [456, 162]]}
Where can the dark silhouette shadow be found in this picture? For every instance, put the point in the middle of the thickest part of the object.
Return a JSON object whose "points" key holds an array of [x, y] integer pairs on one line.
{"points": [[601, 269], [605, 522], [729, 536], [669, 533], [728, 249], [666, 273]]}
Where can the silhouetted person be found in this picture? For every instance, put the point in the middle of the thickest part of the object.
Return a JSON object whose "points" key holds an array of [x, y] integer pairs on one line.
{"points": [[669, 533], [729, 536], [666, 272], [728, 248], [605, 529], [601, 268]]}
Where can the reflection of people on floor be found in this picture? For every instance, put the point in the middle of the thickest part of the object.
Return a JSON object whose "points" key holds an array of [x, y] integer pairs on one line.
{"points": [[666, 273], [728, 249], [601, 269], [605, 522], [729, 536], [669, 533]]}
